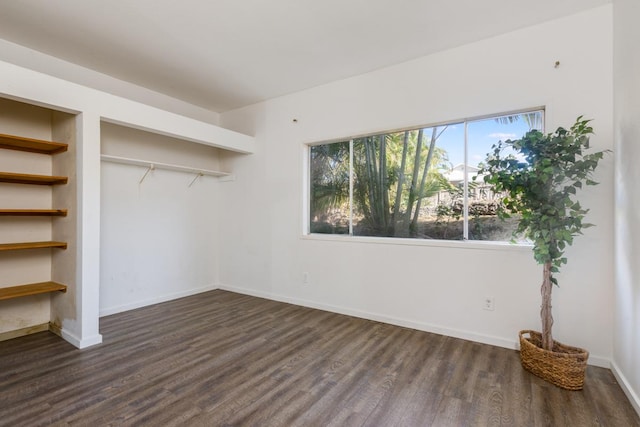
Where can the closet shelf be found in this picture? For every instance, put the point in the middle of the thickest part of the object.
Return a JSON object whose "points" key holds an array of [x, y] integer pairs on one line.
{"points": [[31, 245], [30, 289], [22, 178], [33, 212], [156, 165], [20, 143]]}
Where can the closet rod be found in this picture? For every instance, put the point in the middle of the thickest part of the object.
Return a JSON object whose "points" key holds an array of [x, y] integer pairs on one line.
{"points": [[156, 165]]}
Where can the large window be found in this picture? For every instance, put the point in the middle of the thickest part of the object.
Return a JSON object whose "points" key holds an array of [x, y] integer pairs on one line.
{"points": [[419, 183]]}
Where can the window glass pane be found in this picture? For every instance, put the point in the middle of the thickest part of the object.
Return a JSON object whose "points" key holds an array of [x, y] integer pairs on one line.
{"points": [[446, 207], [483, 202], [329, 188], [400, 184]]}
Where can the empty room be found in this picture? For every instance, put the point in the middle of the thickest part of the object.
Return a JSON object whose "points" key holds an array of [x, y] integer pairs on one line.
{"points": [[337, 213]]}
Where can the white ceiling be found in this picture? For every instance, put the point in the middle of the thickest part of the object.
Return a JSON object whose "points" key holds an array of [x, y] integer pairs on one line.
{"points": [[225, 54]]}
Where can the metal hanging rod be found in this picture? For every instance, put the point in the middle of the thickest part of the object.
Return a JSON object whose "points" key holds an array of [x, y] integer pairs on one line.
{"points": [[155, 165]]}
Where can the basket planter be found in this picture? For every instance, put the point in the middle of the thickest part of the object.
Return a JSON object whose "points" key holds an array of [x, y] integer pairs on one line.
{"points": [[565, 366]]}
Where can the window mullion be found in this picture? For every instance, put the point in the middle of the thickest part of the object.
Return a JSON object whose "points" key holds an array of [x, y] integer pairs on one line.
{"points": [[351, 187], [465, 187]]}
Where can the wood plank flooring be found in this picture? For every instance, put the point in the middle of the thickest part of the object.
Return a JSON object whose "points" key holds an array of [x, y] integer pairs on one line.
{"points": [[224, 359]]}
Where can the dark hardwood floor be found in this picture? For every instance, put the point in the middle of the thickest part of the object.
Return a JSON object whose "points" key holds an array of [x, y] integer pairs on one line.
{"points": [[223, 359]]}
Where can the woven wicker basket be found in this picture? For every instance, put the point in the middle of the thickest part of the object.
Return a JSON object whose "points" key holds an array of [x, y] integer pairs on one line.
{"points": [[564, 366]]}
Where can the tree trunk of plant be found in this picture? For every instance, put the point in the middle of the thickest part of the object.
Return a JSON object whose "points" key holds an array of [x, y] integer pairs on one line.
{"points": [[414, 179], [372, 173], [545, 309], [396, 206], [425, 171], [382, 185]]}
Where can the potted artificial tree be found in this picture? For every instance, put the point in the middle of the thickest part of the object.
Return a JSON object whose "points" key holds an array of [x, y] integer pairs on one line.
{"points": [[540, 176]]}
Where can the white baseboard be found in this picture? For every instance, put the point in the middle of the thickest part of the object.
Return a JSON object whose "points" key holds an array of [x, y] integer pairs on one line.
{"points": [[511, 344], [155, 300], [599, 361], [626, 387], [80, 342]]}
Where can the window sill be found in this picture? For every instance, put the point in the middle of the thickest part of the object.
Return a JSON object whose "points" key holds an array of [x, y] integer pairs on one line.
{"points": [[469, 244]]}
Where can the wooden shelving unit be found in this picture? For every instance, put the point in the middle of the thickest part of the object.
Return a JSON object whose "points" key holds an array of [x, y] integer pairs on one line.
{"points": [[23, 178], [31, 245], [30, 289], [33, 212], [30, 145], [11, 142]]}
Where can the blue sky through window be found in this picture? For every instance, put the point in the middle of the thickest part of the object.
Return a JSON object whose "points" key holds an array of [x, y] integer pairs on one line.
{"points": [[482, 135]]}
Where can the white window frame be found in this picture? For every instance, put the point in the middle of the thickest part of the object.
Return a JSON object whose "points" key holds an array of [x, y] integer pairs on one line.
{"points": [[464, 243]]}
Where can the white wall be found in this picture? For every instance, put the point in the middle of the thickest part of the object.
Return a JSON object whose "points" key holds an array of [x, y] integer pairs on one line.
{"points": [[433, 287], [159, 237], [626, 351], [64, 265]]}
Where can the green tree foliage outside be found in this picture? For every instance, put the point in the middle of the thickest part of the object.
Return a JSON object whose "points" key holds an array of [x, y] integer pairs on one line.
{"points": [[329, 191], [393, 175]]}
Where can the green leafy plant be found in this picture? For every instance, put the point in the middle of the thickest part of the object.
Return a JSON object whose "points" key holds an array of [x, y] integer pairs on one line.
{"points": [[540, 176]]}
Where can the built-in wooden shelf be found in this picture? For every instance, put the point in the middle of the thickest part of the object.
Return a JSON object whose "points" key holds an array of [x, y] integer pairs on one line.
{"points": [[20, 143], [21, 178], [32, 245], [30, 289], [33, 212], [40, 147]]}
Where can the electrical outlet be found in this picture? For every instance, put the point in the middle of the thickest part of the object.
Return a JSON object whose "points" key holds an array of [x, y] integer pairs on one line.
{"points": [[305, 278], [489, 304]]}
